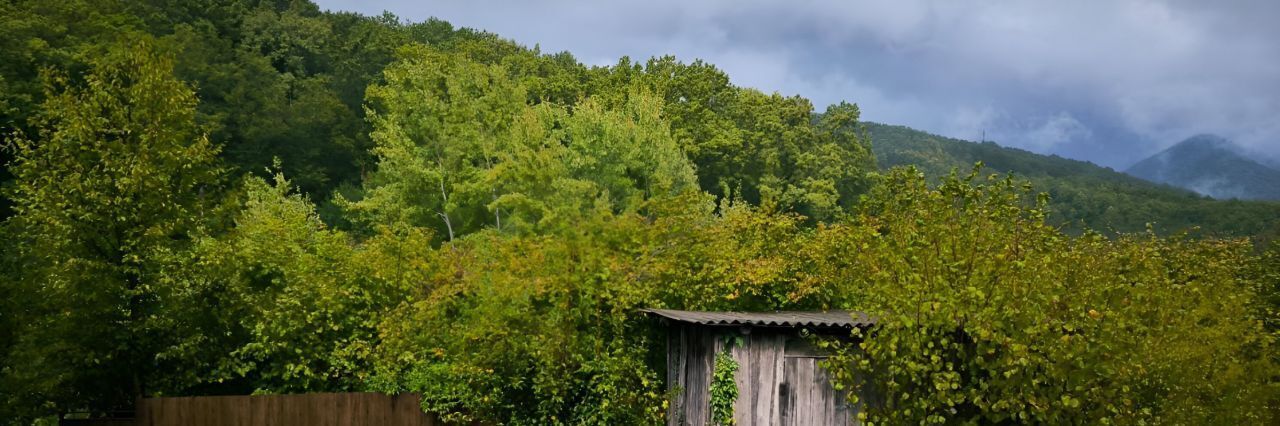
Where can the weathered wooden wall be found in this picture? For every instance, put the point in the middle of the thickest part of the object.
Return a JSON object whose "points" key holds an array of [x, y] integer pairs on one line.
{"points": [[690, 355], [759, 372], [318, 409], [808, 398], [779, 380]]}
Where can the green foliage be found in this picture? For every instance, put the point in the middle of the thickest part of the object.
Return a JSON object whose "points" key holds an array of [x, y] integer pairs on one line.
{"points": [[281, 303], [440, 126], [264, 73], [723, 387], [543, 329], [765, 149], [459, 149], [527, 330], [989, 315], [272, 86], [113, 181], [1266, 274], [570, 197]]}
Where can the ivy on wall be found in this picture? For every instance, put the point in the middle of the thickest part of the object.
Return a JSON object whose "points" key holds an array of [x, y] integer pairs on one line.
{"points": [[724, 390]]}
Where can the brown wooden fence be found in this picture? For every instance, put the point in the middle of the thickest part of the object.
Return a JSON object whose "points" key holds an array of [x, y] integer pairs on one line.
{"points": [[319, 409]]}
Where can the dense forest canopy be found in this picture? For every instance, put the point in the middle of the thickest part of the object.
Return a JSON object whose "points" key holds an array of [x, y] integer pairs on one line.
{"points": [[241, 196]]}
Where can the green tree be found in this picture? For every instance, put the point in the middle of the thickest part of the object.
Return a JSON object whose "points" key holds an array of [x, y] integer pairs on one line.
{"points": [[1267, 276], [459, 149], [525, 330], [440, 121], [988, 314], [765, 149], [270, 94], [834, 172], [118, 173], [566, 166], [543, 329], [282, 303]]}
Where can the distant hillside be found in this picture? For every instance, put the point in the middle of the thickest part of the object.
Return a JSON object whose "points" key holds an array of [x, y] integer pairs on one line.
{"points": [[1083, 194], [1212, 166]]}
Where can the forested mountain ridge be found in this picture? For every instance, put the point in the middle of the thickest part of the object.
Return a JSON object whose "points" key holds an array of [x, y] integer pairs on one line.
{"points": [[1081, 193], [283, 80], [1212, 166], [255, 196]]}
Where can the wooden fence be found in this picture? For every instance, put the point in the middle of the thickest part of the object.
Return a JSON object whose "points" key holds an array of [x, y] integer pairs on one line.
{"points": [[320, 409]]}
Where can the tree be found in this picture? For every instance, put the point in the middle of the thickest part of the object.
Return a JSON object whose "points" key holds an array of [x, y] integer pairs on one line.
{"points": [[564, 167], [118, 174], [526, 330], [762, 148], [987, 315], [282, 303], [268, 94], [439, 123], [834, 171], [1266, 275], [459, 150]]}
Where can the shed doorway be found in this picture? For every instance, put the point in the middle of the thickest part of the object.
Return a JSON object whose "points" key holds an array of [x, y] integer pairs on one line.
{"points": [[806, 398]]}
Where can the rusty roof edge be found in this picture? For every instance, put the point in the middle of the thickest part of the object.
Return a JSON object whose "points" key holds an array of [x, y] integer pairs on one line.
{"points": [[832, 318]]}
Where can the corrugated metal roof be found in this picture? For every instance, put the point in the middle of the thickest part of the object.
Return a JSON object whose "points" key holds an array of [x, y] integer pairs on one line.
{"points": [[844, 319]]}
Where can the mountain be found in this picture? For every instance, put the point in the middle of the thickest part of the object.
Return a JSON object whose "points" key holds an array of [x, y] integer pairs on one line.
{"points": [[1212, 166], [1082, 194]]}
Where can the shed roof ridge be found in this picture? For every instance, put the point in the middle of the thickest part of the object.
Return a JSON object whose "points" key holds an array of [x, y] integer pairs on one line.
{"points": [[829, 318]]}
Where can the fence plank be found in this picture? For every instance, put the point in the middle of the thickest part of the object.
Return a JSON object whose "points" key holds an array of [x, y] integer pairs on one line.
{"points": [[325, 409]]}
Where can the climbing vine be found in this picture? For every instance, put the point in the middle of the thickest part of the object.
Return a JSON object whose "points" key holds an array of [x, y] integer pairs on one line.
{"points": [[724, 391]]}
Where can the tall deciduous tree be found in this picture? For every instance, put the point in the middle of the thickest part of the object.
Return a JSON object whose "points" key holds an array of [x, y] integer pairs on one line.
{"points": [[439, 122], [117, 174], [459, 149], [763, 148]]}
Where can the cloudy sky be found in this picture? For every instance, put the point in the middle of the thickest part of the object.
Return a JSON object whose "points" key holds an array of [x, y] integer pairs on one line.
{"points": [[1105, 81]]}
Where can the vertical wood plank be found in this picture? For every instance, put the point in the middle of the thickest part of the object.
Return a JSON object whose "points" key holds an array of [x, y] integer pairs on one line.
{"points": [[677, 343], [770, 366], [743, 379], [320, 409]]}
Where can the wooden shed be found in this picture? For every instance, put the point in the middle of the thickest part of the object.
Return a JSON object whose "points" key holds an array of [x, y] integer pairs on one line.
{"points": [[778, 378]]}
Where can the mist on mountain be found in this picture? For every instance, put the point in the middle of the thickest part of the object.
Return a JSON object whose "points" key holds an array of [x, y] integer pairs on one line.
{"points": [[1213, 166]]}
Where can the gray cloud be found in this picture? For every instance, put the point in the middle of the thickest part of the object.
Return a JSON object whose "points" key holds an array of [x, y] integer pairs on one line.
{"points": [[1105, 81]]}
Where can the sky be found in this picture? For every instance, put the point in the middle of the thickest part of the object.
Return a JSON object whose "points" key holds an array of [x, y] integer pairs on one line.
{"points": [[1105, 81]]}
